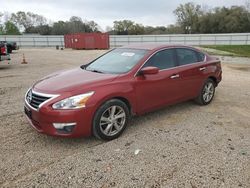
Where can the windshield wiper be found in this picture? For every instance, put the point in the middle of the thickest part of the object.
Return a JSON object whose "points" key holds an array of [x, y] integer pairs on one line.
{"points": [[94, 70]]}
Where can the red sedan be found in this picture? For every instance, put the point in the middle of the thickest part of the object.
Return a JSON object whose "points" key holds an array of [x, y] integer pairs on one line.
{"points": [[98, 98]]}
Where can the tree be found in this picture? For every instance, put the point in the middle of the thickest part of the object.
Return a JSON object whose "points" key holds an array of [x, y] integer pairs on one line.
{"points": [[11, 29], [187, 16], [93, 26], [21, 19], [76, 25], [36, 19], [148, 29], [59, 28], [123, 27], [224, 20], [1, 25], [174, 29], [27, 21], [136, 29], [44, 29]]}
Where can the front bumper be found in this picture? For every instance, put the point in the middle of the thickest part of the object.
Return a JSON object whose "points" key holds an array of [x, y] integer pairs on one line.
{"points": [[43, 120]]}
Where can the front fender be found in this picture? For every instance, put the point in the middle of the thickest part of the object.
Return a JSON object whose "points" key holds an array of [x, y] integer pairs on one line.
{"points": [[117, 90]]}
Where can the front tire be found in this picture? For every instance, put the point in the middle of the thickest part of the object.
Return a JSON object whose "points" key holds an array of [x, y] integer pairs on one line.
{"points": [[110, 120], [207, 93]]}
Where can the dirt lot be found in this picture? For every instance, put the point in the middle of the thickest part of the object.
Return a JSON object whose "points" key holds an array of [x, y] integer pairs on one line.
{"points": [[185, 145]]}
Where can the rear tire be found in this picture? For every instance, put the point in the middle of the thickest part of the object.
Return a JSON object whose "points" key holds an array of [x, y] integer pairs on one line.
{"points": [[207, 93], [110, 120]]}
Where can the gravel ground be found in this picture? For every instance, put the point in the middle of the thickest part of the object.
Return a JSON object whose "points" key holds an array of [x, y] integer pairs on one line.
{"points": [[184, 145]]}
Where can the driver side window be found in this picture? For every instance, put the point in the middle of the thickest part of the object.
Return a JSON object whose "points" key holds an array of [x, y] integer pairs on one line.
{"points": [[163, 59]]}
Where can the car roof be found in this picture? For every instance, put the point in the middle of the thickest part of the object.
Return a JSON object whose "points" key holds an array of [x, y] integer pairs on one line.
{"points": [[153, 46]]}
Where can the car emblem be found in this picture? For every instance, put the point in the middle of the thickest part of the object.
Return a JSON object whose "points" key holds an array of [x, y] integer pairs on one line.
{"points": [[29, 97]]}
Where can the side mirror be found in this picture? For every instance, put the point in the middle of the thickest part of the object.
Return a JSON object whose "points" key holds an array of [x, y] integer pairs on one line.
{"points": [[149, 70]]}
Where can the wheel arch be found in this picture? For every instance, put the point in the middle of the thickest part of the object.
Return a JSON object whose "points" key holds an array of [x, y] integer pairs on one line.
{"points": [[126, 101], [106, 99], [214, 79], [118, 97]]}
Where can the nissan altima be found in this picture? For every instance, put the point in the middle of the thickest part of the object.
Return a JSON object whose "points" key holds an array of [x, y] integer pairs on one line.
{"points": [[99, 98]]}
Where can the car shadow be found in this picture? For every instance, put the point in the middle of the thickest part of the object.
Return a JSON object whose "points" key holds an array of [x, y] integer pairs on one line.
{"points": [[5, 67], [168, 110]]}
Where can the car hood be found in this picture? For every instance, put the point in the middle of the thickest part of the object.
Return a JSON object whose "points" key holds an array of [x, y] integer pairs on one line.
{"points": [[72, 80]]}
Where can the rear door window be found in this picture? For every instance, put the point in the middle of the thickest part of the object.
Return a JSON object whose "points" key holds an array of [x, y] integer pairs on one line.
{"points": [[201, 56], [163, 59], [186, 56]]}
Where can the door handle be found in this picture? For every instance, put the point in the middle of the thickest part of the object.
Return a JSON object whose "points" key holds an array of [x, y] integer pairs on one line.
{"points": [[175, 76], [202, 68]]}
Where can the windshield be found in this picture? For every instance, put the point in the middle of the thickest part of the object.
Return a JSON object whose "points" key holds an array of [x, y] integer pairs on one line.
{"points": [[117, 61]]}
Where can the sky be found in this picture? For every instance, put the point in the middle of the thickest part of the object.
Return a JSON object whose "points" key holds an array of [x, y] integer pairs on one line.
{"points": [[104, 12]]}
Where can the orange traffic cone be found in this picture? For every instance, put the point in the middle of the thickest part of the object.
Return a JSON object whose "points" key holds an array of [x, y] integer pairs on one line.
{"points": [[24, 61]]}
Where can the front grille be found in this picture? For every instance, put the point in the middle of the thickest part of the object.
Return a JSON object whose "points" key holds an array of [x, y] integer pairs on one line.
{"points": [[35, 100]]}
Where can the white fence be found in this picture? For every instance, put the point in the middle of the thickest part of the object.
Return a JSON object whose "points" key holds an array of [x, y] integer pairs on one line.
{"points": [[193, 39], [35, 40], [120, 40]]}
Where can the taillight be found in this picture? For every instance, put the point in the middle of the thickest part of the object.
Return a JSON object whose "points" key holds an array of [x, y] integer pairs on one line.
{"points": [[3, 50]]}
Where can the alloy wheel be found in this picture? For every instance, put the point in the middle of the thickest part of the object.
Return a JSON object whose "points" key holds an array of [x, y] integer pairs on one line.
{"points": [[112, 120], [208, 92]]}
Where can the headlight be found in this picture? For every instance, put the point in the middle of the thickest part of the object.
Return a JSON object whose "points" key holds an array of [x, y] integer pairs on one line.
{"points": [[75, 102]]}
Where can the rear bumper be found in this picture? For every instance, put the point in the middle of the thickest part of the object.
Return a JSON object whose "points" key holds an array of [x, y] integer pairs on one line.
{"points": [[42, 121], [219, 77], [4, 57]]}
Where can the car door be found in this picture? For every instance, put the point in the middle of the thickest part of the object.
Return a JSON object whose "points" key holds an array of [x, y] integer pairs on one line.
{"points": [[156, 90], [190, 70]]}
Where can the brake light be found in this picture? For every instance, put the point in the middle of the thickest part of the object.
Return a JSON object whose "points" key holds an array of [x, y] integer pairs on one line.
{"points": [[3, 50]]}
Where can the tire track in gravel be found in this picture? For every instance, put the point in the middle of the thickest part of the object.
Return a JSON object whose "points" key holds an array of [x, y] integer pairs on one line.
{"points": [[9, 76]]}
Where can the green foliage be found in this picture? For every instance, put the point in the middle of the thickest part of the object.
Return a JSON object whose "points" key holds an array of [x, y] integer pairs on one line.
{"points": [[8, 28], [128, 27], [74, 25], [34, 23], [21, 19], [187, 16], [1, 25], [235, 19], [1, 30], [123, 27], [225, 20], [11, 29]]}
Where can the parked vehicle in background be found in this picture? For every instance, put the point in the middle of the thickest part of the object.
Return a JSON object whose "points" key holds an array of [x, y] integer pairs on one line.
{"points": [[10, 46], [4, 55], [99, 98]]}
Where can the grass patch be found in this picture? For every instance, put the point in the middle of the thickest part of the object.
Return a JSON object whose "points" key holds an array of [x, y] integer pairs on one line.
{"points": [[234, 50]]}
